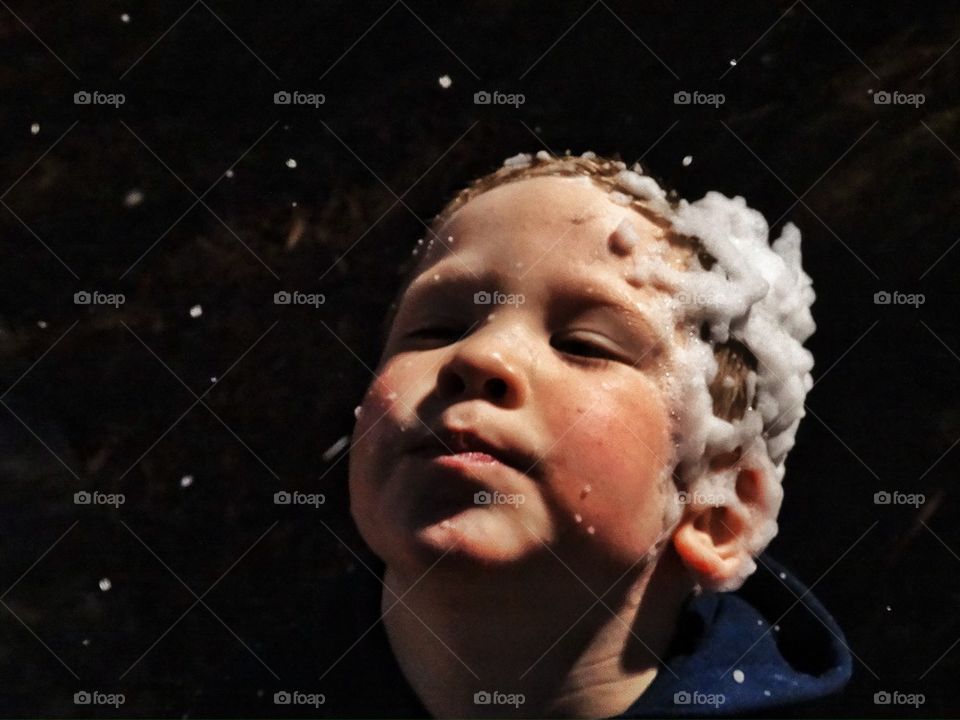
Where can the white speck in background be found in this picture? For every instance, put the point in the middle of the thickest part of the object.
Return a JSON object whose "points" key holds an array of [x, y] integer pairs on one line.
{"points": [[445, 81], [196, 311], [35, 128], [738, 676], [186, 481], [291, 163], [105, 584], [687, 160], [125, 18], [229, 173], [334, 450], [133, 198]]}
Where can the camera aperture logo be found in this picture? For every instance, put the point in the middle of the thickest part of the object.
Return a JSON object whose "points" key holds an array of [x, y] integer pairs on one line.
{"points": [[95, 97], [695, 97], [95, 697], [295, 697], [282, 497], [683, 697], [85, 497], [295, 97], [484, 97], [285, 297], [95, 297], [483, 297], [898, 298], [495, 697], [484, 497]]}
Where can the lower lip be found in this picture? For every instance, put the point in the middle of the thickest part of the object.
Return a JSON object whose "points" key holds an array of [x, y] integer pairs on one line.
{"points": [[465, 458]]}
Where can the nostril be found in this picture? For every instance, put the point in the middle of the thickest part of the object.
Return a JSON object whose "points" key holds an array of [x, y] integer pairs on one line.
{"points": [[496, 388], [450, 384]]}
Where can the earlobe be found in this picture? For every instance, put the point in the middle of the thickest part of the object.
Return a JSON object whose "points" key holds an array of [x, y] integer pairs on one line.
{"points": [[708, 545]]}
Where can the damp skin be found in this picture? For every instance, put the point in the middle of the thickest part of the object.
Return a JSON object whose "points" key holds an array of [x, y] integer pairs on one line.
{"points": [[579, 365]]}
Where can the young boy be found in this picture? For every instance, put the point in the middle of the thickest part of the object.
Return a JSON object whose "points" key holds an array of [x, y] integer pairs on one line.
{"points": [[574, 444]]}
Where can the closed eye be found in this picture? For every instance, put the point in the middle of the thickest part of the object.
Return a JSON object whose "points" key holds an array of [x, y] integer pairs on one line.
{"points": [[586, 348]]}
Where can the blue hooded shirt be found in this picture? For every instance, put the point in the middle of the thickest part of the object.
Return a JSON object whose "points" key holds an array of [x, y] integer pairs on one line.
{"points": [[769, 647]]}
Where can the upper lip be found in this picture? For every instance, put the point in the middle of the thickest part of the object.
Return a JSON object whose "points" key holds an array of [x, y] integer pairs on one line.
{"points": [[449, 440]]}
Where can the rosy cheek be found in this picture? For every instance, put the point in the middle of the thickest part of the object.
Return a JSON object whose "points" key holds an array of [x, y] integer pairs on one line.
{"points": [[609, 456]]}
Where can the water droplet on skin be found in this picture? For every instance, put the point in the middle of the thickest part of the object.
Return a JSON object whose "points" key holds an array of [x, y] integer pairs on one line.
{"points": [[586, 490], [450, 239], [491, 316], [196, 311], [357, 411], [446, 524], [738, 676], [578, 517], [105, 584], [392, 396], [518, 264], [436, 276], [35, 128], [291, 163], [591, 529], [420, 241], [186, 481]]}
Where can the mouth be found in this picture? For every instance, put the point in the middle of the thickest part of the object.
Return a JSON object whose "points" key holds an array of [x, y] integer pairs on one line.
{"points": [[458, 448]]}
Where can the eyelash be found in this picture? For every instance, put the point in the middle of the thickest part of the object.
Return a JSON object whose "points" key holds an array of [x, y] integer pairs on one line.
{"points": [[607, 357]]}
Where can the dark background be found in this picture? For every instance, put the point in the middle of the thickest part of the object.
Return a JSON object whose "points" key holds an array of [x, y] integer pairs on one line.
{"points": [[106, 399]]}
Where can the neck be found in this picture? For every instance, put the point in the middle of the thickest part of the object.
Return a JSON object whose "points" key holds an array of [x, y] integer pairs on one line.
{"points": [[540, 636]]}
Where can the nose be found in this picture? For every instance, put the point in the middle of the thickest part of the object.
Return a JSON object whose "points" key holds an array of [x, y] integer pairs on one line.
{"points": [[485, 365]]}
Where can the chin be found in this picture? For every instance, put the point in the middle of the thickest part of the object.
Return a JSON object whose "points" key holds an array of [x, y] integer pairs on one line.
{"points": [[474, 537]]}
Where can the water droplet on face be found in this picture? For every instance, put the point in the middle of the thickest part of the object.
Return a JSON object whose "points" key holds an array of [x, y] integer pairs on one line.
{"points": [[357, 411], [578, 517], [586, 490], [446, 524], [196, 311], [186, 481], [738, 676], [105, 584], [591, 529], [436, 276], [391, 396], [491, 316]]}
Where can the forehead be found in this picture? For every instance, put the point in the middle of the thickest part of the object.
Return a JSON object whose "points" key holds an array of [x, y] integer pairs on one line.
{"points": [[546, 225]]}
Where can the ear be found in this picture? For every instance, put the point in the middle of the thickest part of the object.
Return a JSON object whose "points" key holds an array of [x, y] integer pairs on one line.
{"points": [[712, 540]]}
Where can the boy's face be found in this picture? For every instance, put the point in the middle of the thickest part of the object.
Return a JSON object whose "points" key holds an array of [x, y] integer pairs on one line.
{"points": [[562, 377]]}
